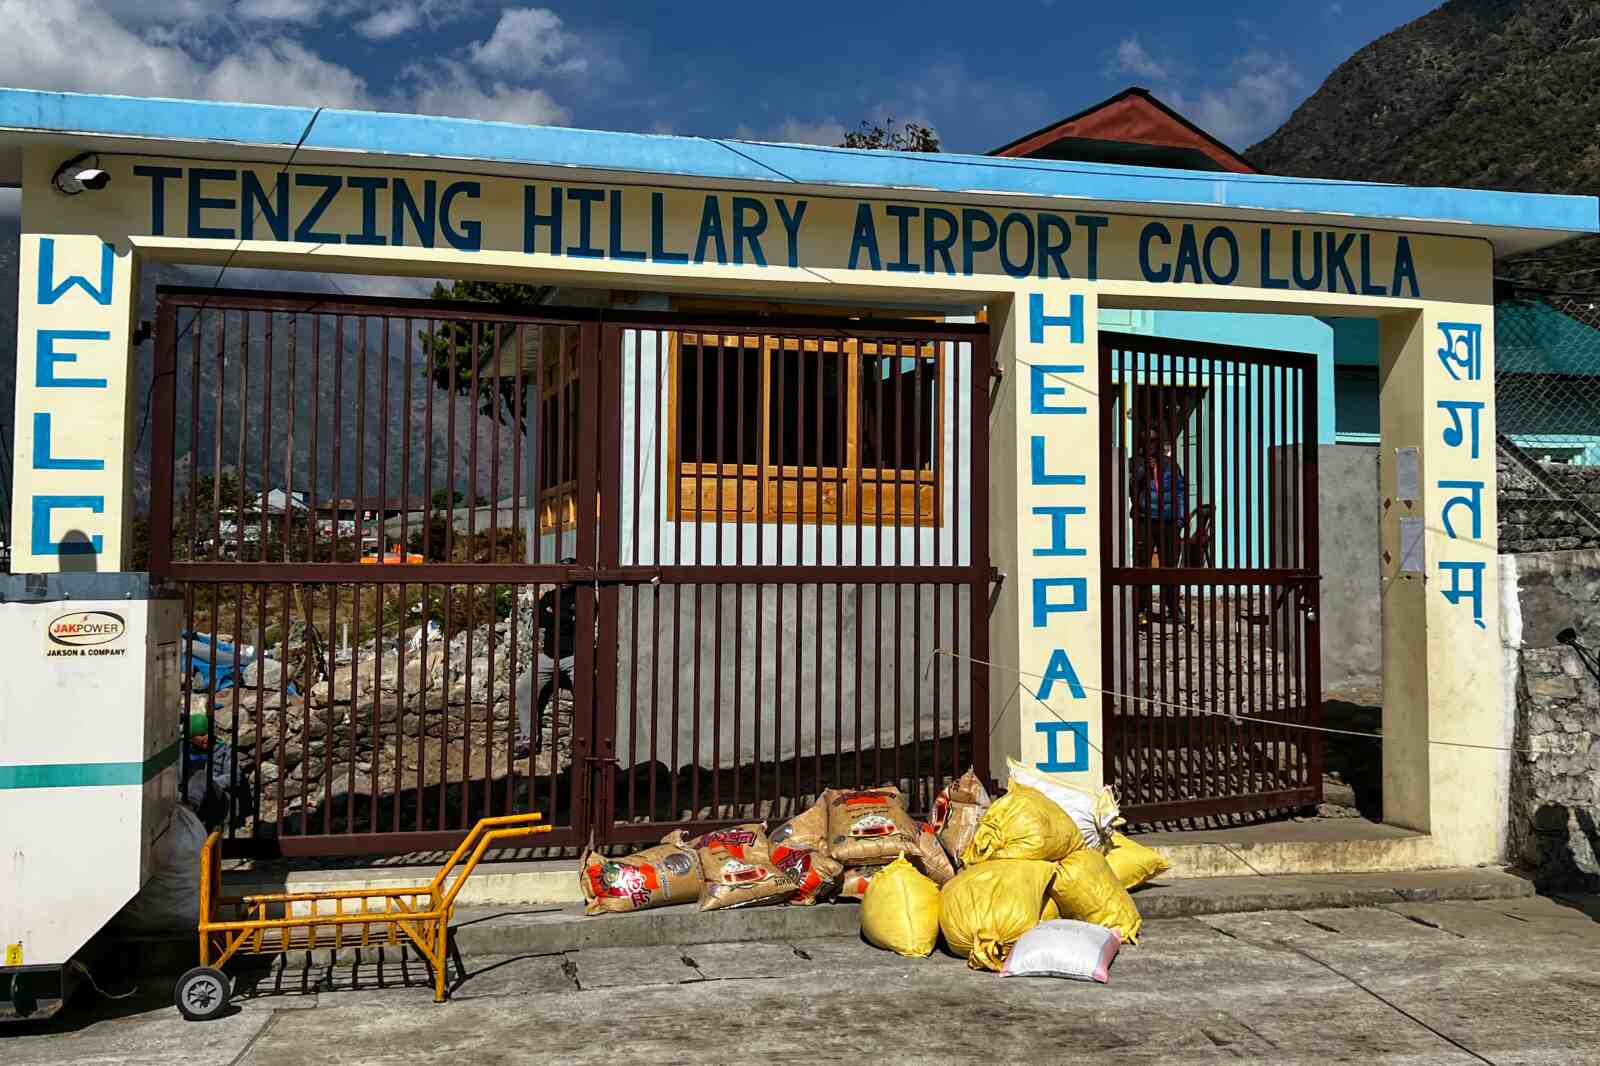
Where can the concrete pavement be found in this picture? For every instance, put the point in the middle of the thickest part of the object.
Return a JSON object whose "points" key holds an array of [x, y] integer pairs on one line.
{"points": [[1502, 981]]}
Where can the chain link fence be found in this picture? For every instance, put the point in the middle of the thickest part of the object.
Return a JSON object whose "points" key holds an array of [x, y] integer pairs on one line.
{"points": [[1547, 403]]}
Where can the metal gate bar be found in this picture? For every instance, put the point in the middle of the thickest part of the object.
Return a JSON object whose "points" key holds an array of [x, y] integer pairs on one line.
{"points": [[331, 411], [780, 544], [1211, 590], [310, 490]]}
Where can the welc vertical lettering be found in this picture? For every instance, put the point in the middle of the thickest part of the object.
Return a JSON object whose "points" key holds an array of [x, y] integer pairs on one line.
{"points": [[50, 292], [43, 459], [46, 357], [44, 507]]}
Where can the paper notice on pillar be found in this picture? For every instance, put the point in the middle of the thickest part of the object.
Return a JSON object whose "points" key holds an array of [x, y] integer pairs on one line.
{"points": [[1411, 531], [1407, 474]]}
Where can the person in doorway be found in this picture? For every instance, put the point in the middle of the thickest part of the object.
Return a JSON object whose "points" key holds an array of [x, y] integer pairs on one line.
{"points": [[558, 643], [1159, 501]]}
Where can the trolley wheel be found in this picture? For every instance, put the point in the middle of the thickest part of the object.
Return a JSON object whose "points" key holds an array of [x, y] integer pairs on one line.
{"points": [[201, 993]]}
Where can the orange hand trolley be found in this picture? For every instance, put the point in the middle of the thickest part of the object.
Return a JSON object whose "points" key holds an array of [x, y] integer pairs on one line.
{"points": [[275, 924]]}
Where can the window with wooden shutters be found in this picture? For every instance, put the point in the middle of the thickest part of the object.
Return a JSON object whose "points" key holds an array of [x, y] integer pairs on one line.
{"points": [[804, 429]]}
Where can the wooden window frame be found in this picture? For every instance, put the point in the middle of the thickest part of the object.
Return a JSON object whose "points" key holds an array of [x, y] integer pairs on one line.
{"points": [[558, 503], [790, 493]]}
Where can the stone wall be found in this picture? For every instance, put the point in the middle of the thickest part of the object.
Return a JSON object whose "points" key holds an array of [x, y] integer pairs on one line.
{"points": [[1555, 793], [1531, 520]]}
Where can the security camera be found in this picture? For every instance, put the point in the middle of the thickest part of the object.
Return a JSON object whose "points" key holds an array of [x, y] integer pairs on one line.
{"points": [[79, 173]]}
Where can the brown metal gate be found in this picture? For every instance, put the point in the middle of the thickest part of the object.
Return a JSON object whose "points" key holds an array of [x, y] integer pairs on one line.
{"points": [[769, 529], [1211, 647]]}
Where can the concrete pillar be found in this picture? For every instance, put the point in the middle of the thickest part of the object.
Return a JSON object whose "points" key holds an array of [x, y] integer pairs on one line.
{"points": [[1441, 661], [1045, 699], [77, 297]]}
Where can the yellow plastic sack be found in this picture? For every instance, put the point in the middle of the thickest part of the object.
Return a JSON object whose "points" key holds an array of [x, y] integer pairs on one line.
{"points": [[1133, 863], [1023, 824], [1095, 813], [1086, 889], [900, 912], [984, 909], [1051, 912]]}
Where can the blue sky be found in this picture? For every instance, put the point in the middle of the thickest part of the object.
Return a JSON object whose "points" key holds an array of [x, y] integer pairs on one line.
{"points": [[979, 73]]}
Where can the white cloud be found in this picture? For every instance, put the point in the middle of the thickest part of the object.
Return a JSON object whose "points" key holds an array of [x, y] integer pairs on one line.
{"points": [[795, 131], [1130, 57], [1334, 10], [45, 48], [447, 88], [1263, 91], [285, 72], [303, 11], [529, 41], [390, 22]]}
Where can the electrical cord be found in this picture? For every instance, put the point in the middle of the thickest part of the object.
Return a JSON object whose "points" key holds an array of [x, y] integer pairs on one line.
{"points": [[81, 968]]}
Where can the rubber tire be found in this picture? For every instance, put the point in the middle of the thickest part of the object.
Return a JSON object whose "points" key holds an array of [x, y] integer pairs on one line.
{"points": [[202, 993]]}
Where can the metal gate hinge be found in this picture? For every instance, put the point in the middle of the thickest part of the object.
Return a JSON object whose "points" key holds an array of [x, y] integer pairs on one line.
{"points": [[997, 576]]}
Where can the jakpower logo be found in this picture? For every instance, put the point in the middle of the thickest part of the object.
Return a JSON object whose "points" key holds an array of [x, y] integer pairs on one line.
{"points": [[86, 628]]}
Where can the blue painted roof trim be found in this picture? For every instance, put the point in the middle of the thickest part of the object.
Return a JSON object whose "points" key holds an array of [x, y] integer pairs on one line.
{"points": [[418, 135]]}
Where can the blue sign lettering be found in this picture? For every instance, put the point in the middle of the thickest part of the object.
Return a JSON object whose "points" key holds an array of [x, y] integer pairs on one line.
{"points": [[1036, 468], [49, 292], [1038, 390], [45, 506], [1077, 602], [1053, 763], [1472, 592], [43, 460], [1058, 531], [46, 357]]}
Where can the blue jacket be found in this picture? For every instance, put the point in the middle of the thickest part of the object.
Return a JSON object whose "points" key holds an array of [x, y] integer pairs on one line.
{"points": [[1165, 496]]}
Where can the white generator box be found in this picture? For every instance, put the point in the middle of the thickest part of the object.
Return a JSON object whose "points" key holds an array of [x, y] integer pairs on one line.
{"points": [[90, 709]]}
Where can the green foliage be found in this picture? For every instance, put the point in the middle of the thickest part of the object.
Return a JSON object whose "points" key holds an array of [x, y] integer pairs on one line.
{"points": [[912, 137], [450, 607], [455, 348]]}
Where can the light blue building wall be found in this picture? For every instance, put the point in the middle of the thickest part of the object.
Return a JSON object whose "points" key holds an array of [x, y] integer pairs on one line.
{"points": [[1243, 531]]}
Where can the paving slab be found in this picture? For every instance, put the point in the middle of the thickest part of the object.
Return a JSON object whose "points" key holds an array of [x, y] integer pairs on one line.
{"points": [[1228, 895], [552, 929], [632, 967], [744, 961], [1484, 921], [1373, 986], [555, 929]]}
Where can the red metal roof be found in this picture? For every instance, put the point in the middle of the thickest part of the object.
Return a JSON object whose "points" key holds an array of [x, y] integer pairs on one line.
{"points": [[1134, 117]]}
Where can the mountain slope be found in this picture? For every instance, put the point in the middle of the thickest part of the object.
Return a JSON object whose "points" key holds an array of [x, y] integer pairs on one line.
{"points": [[1490, 94]]}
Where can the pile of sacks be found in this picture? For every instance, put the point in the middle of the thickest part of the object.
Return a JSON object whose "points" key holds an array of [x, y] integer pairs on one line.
{"points": [[982, 874], [1042, 853], [834, 848]]}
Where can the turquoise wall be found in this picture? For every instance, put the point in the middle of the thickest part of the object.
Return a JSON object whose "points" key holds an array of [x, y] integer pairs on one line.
{"points": [[1247, 545]]}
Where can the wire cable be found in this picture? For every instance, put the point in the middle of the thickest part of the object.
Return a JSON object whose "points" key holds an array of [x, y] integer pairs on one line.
{"points": [[216, 282], [1238, 718]]}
